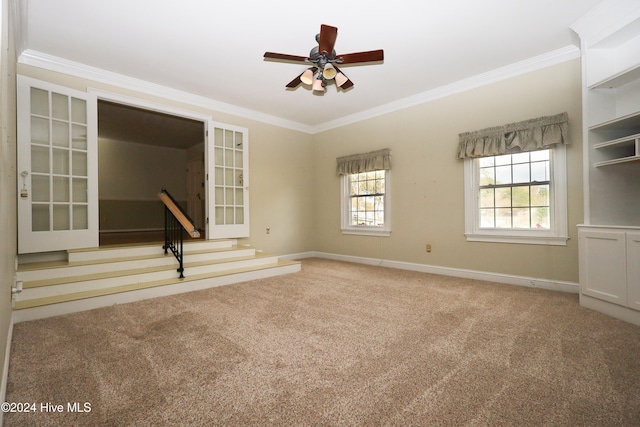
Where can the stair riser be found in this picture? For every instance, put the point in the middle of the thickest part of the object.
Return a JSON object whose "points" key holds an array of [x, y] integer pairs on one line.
{"points": [[162, 261], [67, 288], [88, 285], [137, 295], [146, 250]]}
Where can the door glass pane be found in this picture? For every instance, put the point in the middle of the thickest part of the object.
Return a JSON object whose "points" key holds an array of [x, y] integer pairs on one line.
{"points": [[60, 189], [80, 217], [39, 217], [78, 110], [219, 196], [60, 161], [229, 215], [40, 188], [219, 215], [229, 196], [218, 157], [218, 137], [39, 159], [79, 159], [239, 216], [228, 139], [79, 137], [39, 102], [239, 159], [61, 220], [60, 133], [228, 158], [79, 190], [39, 131], [228, 177], [239, 197], [60, 106], [238, 141]]}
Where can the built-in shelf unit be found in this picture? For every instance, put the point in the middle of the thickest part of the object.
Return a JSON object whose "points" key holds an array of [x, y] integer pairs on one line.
{"points": [[609, 239]]}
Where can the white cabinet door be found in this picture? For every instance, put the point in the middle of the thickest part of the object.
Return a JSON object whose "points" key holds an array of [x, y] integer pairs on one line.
{"points": [[633, 270], [57, 167], [603, 271], [228, 181]]}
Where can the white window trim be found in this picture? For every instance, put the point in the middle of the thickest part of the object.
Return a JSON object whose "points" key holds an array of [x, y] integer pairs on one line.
{"points": [[363, 230], [556, 235]]}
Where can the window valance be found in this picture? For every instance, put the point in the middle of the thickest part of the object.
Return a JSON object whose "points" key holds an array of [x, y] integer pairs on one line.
{"points": [[365, 162], [528, 135]]}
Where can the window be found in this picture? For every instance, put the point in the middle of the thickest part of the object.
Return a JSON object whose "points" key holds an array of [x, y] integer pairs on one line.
{"points": [[365, 203], [518, 198]]}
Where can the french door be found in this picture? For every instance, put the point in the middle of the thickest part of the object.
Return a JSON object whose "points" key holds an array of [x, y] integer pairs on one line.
{"points": [[57, 167], [228, 181]]}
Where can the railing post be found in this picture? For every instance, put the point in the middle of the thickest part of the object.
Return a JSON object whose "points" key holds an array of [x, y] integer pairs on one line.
{"points": [[174, 221]]}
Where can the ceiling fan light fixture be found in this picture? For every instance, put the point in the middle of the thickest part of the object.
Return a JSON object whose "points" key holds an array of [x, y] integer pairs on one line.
{"points": [[340, 79], [307, 77], [329, 71], [318, 85]]}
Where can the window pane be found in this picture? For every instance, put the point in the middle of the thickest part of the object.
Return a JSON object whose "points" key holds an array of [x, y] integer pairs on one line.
{"points": [[503, 218], [540, 195], [521, 173], [487, 218], [486, 161], [520, 196], [503, 160], [503, 175], [486, 176], [539, 155], [503, 197], [521, 218], [540, 171], [486, 198], [540, 218], [520, 158]]}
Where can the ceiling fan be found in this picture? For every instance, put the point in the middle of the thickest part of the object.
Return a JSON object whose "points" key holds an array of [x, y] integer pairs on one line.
{"points": [[324, 59]]}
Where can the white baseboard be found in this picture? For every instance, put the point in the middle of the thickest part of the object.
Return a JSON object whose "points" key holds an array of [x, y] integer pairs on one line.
{"points": [[532, 282], [5, 368]]}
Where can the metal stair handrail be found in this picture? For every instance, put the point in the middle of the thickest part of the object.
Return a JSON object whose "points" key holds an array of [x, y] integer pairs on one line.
{"points": [[176, 220]]}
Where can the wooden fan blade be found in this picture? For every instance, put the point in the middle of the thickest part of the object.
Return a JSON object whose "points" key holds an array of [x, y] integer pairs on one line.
{"points": [[328, 35], [346, 85], [285, 57], [295, 82], [359, 57]]}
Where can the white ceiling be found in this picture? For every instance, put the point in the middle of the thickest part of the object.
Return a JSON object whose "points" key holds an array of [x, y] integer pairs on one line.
{"points": [[215, 49]]}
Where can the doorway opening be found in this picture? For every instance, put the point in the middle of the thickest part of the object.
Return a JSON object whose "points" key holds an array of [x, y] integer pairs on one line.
{"points": [[140, 152]]}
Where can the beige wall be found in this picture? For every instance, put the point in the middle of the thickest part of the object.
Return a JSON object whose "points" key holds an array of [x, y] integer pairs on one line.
{"points": [[8, 221], [295, 192], [427, 203]]}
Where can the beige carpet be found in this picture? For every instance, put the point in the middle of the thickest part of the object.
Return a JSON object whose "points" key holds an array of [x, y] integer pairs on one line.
{"points": [[337, 344]]}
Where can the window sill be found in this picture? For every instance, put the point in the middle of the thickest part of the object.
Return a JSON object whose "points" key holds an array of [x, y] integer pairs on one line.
{"points": [[522, 239], [366, 232]]}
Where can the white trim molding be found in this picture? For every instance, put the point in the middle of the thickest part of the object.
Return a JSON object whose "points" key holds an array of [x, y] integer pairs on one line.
{"points": [[509, 279], [53, 63]]}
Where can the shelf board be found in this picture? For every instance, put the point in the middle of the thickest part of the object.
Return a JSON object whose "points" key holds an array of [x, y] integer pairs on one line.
{"points": [[631, 139], [617, 161], [630, 121], [619, 79]]}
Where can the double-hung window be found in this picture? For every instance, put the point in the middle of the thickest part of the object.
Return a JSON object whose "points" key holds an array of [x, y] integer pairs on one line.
{"points": [[365, 184], [519, 196]]}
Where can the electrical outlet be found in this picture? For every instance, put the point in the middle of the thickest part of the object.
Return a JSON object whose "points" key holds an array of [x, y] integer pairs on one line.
{"points": [[428, 248]]}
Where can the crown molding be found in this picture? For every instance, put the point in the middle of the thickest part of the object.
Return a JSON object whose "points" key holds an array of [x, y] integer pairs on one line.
{"points": [[56, 64], [532, 64], [60, 65]]}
